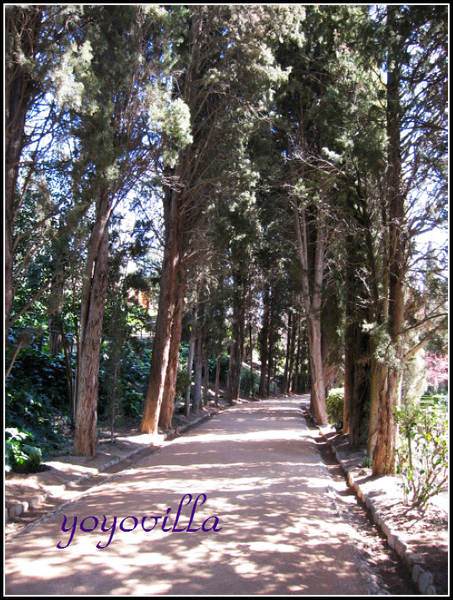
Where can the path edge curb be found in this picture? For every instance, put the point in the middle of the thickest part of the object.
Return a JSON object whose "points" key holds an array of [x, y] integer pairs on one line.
{"points": [[422, 578]]}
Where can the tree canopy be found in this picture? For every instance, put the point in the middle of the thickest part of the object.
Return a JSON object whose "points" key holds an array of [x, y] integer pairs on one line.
{"points": [[248, 185]]}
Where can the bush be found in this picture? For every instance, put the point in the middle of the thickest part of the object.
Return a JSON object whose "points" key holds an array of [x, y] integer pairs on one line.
{"points": [[19, 455], [422, 453], [335, 404], [133, 380], [246, 382], [224, 367], [182, 383], [30, 408]]}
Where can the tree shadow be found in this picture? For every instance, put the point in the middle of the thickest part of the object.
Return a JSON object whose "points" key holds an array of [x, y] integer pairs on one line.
{"points": [[263, 481]]}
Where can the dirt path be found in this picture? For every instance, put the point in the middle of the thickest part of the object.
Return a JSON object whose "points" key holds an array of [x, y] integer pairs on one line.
{"points": [[257, 469]]}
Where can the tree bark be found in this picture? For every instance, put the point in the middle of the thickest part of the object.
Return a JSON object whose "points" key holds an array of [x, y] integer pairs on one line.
{"points": [[312, 304], [252, 375], [264, 341], [198, 368], [236, 345], [206, 373], [217, 381], [292, 351], [357, 382], [166, 414], [356, 351], [288, 352], [270, 356], [241, 342], [92, 314], [232, 369], [317, 395], [189, 369], [384, 451], [167, 305], [297, 386]]}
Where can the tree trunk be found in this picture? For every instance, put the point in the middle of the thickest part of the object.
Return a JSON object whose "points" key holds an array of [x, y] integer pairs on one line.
{"points": [[167, 305], [206, 373], [292, 357], [318, 394], [68, 349], [264, 341], [198, 368], [384, 452], [168, 400], [236, 345], [288, 352], [312, 303], [357, 382], [252, 375], [240, 351], [189, 370], [92, 314], [356, 352], [232, 369], [217, 381], [271, 344], [296, 386]]}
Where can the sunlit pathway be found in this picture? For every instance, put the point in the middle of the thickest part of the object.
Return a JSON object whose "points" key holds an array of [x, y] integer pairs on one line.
{"points": [[262, 478]]}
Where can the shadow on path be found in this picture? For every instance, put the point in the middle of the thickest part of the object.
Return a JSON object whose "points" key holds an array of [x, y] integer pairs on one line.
{"points": [[262, 478]]}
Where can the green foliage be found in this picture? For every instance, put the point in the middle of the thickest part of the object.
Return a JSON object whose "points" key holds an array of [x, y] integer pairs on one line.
{"points": [[224, 367], [182, 382], [135, 361], [135, 374], [126, 88], [437, 401], [247, 380], [335, 404], [35, 393], [171, 119], [21, 456], [422, 455]]}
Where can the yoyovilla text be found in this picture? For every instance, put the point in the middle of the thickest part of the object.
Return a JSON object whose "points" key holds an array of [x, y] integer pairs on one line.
{"points": [[147, 523]]}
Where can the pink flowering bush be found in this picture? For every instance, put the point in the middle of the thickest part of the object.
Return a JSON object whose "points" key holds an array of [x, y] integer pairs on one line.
{"points": [[437, 370]]}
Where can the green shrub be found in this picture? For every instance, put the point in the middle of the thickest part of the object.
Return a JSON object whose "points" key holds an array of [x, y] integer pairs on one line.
{"points": [[134, 375], [31, 408], [335, 403], [224, 367], [182, 383], [246, 382], [33, 461], [422, 452], [21, 456]]}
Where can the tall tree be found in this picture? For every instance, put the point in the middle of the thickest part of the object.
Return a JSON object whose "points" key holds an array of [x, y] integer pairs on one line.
{"points": [[299, 107], [36, 37], [224, 74], [175, 179], [113, 136], [23, 26], [412, 61]]}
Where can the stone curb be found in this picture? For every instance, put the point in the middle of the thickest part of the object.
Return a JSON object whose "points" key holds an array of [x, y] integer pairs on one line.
{"points": [[422, 578], [20, 508]]}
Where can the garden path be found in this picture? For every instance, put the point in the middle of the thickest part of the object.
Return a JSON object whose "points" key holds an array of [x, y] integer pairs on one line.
{"points": [[278, 529]]}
